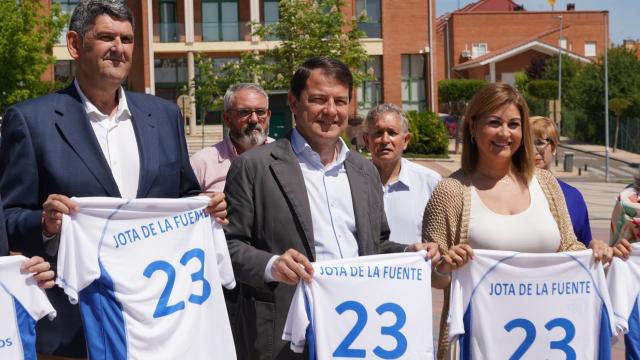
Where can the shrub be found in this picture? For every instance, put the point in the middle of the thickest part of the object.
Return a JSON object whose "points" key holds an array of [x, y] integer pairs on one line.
{"points": [[544, 89], [458, 89], [428, 134]]}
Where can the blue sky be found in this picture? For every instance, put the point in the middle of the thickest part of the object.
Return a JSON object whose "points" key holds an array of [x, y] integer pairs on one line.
{"points": [[623, 14]]}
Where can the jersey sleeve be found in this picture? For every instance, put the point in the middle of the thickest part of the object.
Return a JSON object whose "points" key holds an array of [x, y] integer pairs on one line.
{"points": [[623, 290], [24, 289], [298, 319], [223, 259], [456, 307], [78, 264]]}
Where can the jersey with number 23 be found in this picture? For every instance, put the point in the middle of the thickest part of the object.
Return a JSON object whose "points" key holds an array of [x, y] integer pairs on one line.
{"points": [[148, 275]]}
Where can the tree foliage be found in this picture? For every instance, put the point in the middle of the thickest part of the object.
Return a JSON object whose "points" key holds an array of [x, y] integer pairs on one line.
{"points": [[618, 106], [543, 89], [458, 89], [27, 36], [428, 134], [587, 99], [305, 29]]}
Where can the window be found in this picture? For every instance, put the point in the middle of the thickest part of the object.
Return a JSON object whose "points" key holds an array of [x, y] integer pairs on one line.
{"points": [[590, 48], [168, 26], [64, 70], [271, 11], [563, 42], [170, 77], [220, 20], [271, 15], [371, 26], [369, 94], [478, 49], [66, 7], [413, 83]]}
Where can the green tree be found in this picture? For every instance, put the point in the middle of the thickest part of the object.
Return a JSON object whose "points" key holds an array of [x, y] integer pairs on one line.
{"points": [[457, 93], [27, 36], [305, 29], [618, 106], [624, 83]]}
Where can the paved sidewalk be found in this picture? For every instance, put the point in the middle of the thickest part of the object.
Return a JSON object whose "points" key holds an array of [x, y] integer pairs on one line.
{"points": [[630, 158]]}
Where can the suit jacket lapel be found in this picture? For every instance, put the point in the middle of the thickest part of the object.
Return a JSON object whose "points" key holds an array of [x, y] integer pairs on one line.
{"points": [[287, 172], [359, 184], [74, 126], [148, 143]]}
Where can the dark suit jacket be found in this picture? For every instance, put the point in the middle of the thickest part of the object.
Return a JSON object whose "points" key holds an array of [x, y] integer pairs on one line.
{"points": [[48, 146], [4, 242], [269, 213]]}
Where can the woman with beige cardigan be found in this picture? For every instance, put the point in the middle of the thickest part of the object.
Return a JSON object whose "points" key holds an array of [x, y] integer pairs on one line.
{"points": [[498, 200]]}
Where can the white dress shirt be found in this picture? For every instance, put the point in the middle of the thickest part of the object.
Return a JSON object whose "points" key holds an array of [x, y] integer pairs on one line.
{"points": [[329, 194], [117, 141], [405, 200]]}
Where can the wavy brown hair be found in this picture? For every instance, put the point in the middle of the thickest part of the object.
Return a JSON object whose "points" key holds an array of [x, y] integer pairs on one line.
{"points": [[485, 102]]}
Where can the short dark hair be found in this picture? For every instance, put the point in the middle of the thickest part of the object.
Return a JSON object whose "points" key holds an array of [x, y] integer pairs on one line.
{"points": [[330, 66], [85, 14]]}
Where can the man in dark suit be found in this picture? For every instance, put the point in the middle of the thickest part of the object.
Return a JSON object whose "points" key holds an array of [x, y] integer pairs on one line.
{"points": [[303, 198], [90, 139]]}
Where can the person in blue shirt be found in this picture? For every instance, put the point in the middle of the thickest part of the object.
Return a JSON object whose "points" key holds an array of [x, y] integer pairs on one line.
{"points": [[546, 141]]}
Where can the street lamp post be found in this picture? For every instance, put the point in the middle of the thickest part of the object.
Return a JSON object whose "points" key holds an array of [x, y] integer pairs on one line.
{"points": [[558, 116]]}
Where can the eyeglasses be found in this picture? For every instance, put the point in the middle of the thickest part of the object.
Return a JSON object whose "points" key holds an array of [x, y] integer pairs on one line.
{"points": [[245, 113], [541, 144]]}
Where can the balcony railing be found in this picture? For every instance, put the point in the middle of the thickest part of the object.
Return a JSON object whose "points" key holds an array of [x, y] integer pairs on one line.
{"points": [[223, 31]]}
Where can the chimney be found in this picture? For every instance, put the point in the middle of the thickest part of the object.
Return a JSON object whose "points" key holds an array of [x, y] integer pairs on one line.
{"points": [[571, 6]]}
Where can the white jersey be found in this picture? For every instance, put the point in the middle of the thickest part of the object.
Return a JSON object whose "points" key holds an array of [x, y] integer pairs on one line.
{"points": [[508, 305], [373, 307], [147, 274], [22, 303], [624, 288]]}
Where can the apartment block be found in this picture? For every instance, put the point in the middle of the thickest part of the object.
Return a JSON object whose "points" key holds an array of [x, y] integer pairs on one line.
{"points": [[494, 39]]}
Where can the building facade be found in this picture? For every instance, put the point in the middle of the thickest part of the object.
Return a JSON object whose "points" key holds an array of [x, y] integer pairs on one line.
{"points": [[494, 39], [171, 33]]}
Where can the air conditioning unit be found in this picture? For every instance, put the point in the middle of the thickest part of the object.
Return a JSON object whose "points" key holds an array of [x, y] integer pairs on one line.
{"points": [[466, 54]]}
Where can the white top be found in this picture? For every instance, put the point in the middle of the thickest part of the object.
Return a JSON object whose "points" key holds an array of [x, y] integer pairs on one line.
{"points": [[148, 276], [405, 200], [508, 305], [22, 303], [329, 194], [533, 230], [118, 142], [624, 288], [344, 314]]}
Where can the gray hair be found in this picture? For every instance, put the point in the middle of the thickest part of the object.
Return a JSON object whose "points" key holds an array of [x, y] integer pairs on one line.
{"points": [[229, 96], [383, 109], [85, 14]]}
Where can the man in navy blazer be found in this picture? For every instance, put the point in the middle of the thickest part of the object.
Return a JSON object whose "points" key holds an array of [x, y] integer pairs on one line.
{"points": [[90, 139]]}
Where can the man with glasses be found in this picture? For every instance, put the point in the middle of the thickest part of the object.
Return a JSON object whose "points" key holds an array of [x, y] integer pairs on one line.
{"points": [[246, 114]]}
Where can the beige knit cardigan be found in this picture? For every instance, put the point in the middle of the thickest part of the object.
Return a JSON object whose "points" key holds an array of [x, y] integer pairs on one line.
{"points": [[446, 222]]}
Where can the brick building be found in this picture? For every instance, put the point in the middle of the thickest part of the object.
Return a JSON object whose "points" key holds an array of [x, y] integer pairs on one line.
{"points": [[494, 39], [169, 33]]}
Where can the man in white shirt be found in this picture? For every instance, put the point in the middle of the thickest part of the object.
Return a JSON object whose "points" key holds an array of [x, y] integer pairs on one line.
{"points": [[90, 139], [303, 198], [407, 187]]}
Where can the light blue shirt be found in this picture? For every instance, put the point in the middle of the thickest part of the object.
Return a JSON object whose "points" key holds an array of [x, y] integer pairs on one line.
{"points": [[329, 194], [405, 200]]}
